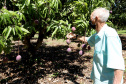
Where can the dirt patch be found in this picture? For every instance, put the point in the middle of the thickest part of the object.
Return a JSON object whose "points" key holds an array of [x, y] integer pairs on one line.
{"points": [[52, 65]]}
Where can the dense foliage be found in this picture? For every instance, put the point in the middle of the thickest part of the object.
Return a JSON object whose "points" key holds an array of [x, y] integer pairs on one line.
{"points": [[22, 19], [118, 16]]}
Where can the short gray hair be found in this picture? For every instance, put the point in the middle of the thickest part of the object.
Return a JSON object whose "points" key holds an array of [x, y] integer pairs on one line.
{"points": [[101, 13]]}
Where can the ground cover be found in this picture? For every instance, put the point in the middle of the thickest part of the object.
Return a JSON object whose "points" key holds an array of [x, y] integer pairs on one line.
{"points": [[52, 65]]}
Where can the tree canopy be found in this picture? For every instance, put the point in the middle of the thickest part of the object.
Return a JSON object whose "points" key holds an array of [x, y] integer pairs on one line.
{"points": [[22, 19]]}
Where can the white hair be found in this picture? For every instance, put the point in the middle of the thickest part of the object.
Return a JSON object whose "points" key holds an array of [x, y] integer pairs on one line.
{"points": [[101, 13]]}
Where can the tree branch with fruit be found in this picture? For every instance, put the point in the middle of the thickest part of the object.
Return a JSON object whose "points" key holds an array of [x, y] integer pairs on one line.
{"points": [[72, 36]]}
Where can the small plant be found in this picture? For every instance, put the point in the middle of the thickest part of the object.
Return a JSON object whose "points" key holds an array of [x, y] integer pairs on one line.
{"points": [[55, 74]]}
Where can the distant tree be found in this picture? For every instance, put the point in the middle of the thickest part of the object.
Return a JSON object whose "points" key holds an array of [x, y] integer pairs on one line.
{"points": [[119, 13]]}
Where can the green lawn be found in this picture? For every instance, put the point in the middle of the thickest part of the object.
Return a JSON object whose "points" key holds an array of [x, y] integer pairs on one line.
{"points": [[122, 32]]}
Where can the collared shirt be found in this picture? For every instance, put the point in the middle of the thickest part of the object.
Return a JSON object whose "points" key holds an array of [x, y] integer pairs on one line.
{"points": [[107, 55]]}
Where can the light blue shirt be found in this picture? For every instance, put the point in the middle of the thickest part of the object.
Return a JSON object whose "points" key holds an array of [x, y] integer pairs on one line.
{"points": [[107, 55]]}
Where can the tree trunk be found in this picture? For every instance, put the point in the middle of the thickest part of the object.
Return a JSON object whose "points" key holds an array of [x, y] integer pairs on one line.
{"points": [[32, 48], [28, 44], [41, 37]]}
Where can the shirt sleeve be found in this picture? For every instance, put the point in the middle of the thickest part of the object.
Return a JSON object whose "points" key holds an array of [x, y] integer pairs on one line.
{"points": [[91, 40], [114, 53]]}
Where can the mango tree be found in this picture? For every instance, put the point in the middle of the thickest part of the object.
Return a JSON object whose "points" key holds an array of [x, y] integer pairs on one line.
{"points": [[22, 19]]}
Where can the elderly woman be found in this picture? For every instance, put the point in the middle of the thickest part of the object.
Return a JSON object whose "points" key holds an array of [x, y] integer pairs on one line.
{"points": [[108, 63]]}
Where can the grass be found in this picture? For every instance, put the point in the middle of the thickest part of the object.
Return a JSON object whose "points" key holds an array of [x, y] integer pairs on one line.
{"points": [[125, 65], [122, 32], [51, 42]]}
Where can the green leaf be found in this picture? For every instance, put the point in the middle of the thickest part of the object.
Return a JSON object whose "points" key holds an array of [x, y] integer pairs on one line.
{"points": [[19, 29], [4, 31], [1, 48], [40, 3], [54, 32], [27, 2], [7, 50], [16, 30], [25, 30], [20, 36], [8, 32], [13, 29], [49, 27]]}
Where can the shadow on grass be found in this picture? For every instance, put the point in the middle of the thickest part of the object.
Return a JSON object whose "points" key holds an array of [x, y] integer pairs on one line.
{"points": [[48, 60]]}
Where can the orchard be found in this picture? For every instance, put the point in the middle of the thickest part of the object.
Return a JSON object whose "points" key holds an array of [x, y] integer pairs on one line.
{"points": [[26, 27]]}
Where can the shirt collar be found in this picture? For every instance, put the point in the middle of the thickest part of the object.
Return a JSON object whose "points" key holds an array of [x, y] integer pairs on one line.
{"points": [[101, 32]]}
